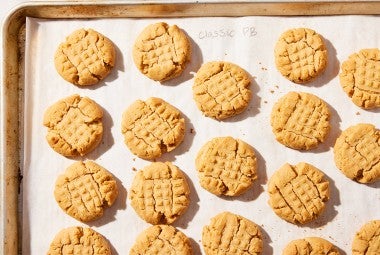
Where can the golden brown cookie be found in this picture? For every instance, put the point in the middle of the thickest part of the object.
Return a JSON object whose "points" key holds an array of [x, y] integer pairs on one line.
{"points": [[74, 125], [152, 127], [300, 120], [360, 78], [310, 246], [221, 89], [84, 190], [85, 58], [226, 166], [160, 193], [231, 234], [79, 240], [161, 239], [161, 51], [367, 239], [357, 153], [300, 55], [298, 193]]}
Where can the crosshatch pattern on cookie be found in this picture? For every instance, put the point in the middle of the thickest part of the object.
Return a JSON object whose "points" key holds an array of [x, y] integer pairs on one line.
{"points": [[162, 239], [85, 58], [79, 240], [152, 127], [85, 190], [300, 55], [360, 78], [226, 166], [230, 234], [74, 125], [300, 120], [310, 246], [161, 51], [367, 239], [221, 89], [160, 193], [357, 153], [298, 193]]}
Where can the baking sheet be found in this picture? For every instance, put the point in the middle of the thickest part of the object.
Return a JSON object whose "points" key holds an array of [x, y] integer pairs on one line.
{"points": [[246, 41]]}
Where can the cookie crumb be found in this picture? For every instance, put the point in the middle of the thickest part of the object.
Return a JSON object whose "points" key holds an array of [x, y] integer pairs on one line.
{"points": [[271, 91], [265, 102], [264, 68], [192, 131], [276, 86], [134, 169], [357, 113]]}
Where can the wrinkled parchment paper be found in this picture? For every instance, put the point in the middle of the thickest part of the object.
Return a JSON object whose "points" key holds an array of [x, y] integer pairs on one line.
{"points": [[248, 42]]}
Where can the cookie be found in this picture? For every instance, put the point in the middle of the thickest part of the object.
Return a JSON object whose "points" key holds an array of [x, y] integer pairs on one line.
{"points": [[300, 55], [221, 89], [310, 246], [160, 193], [74, 125], [161, 239], [226, 166], [300, 120], [85, 190], [152, 127], [231, 234], [161, 51], [360, 78], [367, 239], [357, 153], [298, 193], [79, 240], [85, 58]]}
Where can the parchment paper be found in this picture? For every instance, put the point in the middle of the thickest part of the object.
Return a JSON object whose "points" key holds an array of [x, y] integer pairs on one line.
{"points": [[248, 42]]}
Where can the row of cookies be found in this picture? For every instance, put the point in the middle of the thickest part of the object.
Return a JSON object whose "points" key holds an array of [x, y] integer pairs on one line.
{"points": [[161, 52], [153, 127], [227, 233]]}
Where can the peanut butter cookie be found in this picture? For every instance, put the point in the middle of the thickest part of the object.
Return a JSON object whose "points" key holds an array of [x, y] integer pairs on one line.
{"points": [[300, 120], [231, 234], [162, 239], [367, 239], [85, 190], [310, 246], [221, 89], [85, 58], [357, 153], [226, 166], [79, 240], [298, 193], [160, 193], [74, 125], [161, 51], [360, 78], [300, 55], [152, 127]]}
